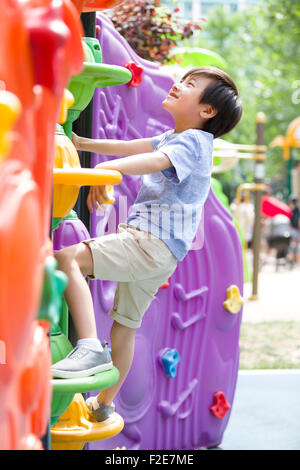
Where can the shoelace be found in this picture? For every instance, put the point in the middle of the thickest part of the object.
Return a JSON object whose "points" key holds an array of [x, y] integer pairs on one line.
{"points": [[78, 354]]}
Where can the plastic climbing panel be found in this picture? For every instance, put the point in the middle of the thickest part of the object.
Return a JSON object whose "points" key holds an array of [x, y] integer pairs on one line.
{"points": [[180, 389]]}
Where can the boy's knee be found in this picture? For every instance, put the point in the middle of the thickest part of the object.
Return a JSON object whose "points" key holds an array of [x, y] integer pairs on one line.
{"points": [[75, 256], [62, 257]]}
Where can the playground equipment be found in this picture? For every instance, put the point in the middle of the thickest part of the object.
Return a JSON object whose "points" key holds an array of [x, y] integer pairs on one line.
{"points": [[32, 97], [164, 403], [289, 142], [180, 390], [25, 204]]}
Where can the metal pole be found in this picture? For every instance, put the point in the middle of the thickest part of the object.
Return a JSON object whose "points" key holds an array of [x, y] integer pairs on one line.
{"points": [[83, 126], [259, 174], [289, 167]]}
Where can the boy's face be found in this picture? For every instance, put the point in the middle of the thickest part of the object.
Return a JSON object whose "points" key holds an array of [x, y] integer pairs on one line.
{"points": [[183, 100]]}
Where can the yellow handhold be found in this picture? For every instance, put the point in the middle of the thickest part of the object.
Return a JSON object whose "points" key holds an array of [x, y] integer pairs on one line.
{"points": [[67, 101], [66, 157], [76, 427], [10, 110], [234, 300], [110, 194]]}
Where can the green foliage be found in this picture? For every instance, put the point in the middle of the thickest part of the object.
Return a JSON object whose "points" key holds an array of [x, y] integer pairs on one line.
{"points": [[262, 47]]}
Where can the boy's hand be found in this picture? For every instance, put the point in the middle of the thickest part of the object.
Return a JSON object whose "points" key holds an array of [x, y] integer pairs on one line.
{"points": [[75, 140], [94, 197]]}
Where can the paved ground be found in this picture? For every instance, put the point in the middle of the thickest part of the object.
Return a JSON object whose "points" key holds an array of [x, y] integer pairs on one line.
{"points": [[266, 409], [278, 292], [265, 413]]}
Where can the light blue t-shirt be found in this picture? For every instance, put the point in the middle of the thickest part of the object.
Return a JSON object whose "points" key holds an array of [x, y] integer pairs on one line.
{"points": [[169, 203]]}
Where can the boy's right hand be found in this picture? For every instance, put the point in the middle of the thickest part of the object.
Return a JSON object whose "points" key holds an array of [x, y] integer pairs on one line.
{"points": [[76, 141], [94, 197]]}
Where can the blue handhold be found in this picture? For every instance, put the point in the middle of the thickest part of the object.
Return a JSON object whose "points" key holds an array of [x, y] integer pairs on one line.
{"points": [[170, 360]]}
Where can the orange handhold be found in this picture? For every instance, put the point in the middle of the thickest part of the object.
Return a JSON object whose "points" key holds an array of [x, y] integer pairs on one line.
{"points": [[35, 383], [20, 267], [26, 176], [76, 427]]}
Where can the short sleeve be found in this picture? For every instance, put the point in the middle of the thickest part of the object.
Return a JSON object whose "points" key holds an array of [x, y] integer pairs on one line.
{"points": [[184, 153], [156, 140], [159, 139]]}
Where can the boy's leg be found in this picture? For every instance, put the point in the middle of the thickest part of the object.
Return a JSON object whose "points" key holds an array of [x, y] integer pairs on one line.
{"points": [[89, 356], [122, 344], [122, 351], [76, 261]]}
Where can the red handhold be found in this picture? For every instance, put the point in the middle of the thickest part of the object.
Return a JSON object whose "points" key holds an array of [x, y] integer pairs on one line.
{"points": [[220, 406], [136, 72], [165, 285]]}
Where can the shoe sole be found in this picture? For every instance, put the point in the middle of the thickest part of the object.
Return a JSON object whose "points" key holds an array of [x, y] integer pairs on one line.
{"points": [[88, 403], [64, 374], [103, 420]]}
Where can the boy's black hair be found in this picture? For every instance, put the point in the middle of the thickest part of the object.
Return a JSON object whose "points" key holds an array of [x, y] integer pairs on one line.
{"points": [[221, 94]]}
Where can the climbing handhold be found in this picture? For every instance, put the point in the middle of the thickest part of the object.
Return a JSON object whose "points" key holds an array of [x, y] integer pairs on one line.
{"points": [[234, 299], [67, 101], [170, 359], [220, 406], [55, 282], [110, 194], [10, 109], [165, 285], [136, 71]]}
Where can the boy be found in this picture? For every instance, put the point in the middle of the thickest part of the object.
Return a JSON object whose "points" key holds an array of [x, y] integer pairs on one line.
{"points": [[144, 253]]}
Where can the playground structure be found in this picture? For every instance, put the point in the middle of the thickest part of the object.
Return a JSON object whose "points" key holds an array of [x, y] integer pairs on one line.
{"points": [[288, 143], [180, 389]]}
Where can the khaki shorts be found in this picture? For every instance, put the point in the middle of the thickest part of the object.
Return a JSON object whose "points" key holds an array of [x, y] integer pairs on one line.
{"points": [[140, 262]]}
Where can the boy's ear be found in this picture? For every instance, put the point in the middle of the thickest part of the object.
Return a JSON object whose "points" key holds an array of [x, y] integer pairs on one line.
{"points": [[207, 111]]}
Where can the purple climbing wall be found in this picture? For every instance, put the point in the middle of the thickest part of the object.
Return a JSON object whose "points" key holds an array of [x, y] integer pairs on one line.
{"points": [[161, 412]]}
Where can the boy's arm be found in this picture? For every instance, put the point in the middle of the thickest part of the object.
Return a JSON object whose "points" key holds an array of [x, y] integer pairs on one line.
{"points": [[141, 164], [118, 148]]}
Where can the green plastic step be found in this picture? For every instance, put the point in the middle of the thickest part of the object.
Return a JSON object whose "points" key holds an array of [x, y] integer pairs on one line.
{"points": [[98, 381]]}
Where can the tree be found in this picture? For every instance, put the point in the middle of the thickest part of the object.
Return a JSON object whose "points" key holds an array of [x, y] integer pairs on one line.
{"points": [[150, 28], [261, 46]]}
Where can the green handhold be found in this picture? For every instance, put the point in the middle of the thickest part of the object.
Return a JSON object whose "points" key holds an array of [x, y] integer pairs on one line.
{"points": [[71, 216], [59, 129], [60, 348], [54, 284], [94, 74], [94, 46], [56, 223]]}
